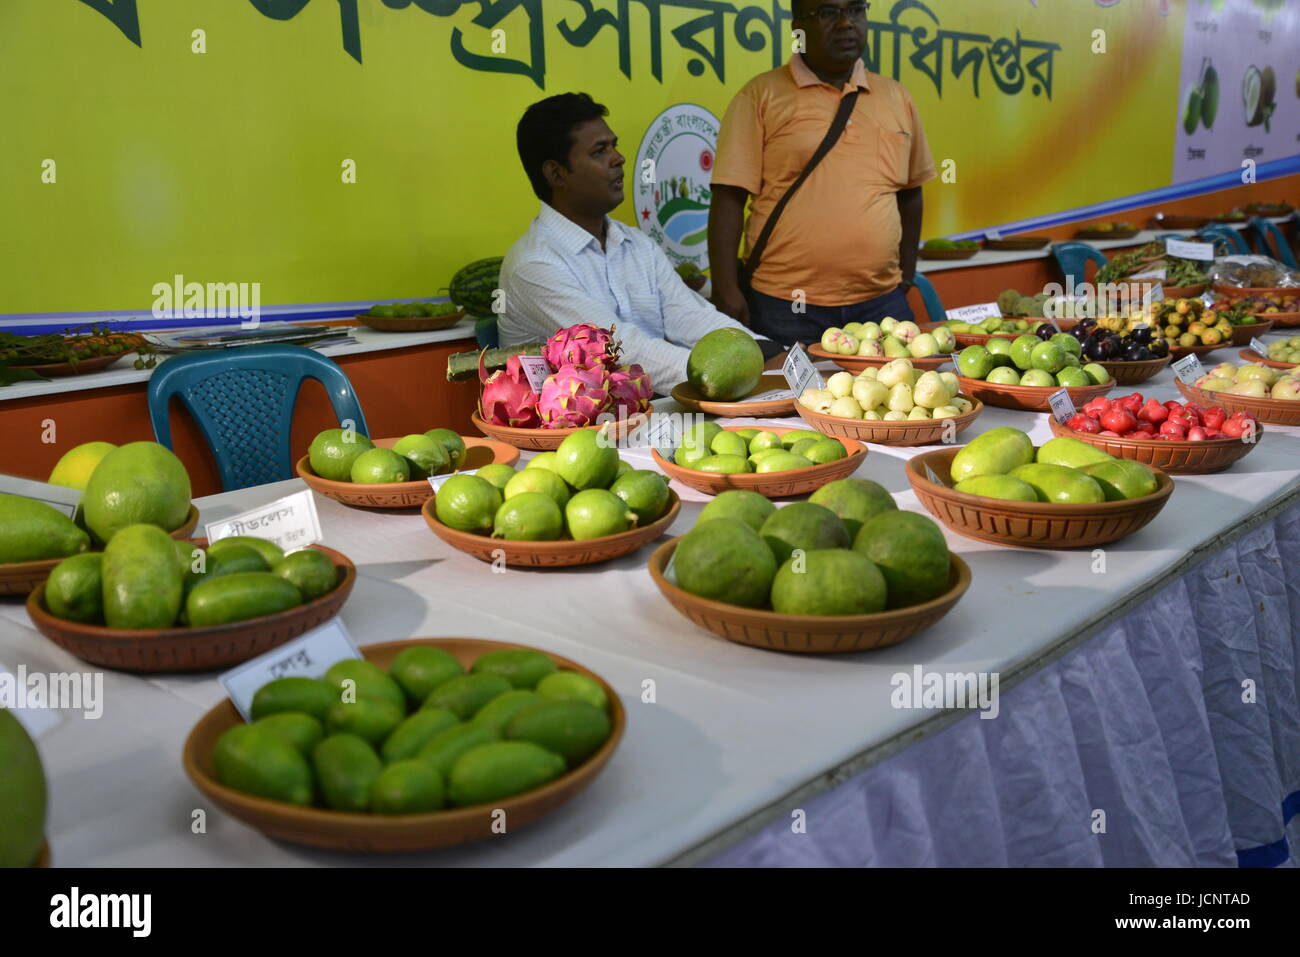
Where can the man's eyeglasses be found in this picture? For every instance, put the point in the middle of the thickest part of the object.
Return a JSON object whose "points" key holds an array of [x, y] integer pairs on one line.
{"points": [[829, 16]]}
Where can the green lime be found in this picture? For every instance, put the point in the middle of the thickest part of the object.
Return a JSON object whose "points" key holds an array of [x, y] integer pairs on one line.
{"points": [[802, 446], [910, 551], [75, 588], [645, 492], [538, 480], [726, 560], [574, 730], [597, 512], [346, 767], [466, 695], [1022, 350], [333, 451], [689, 456], [258, 762], [415, 732], [311, 570], [1072, 377], [355, 678], [804, 525], [825, 450], [522, 667], [746, 434], [832, 581], [543, 460], [447, 747], [268, 550], [296, 728], [407, 787], [623, 469], [724, 464], [587, 459], [701, 434], [380, 467], [453, 444], [729, 443], [571, 686], [497, 474], [529, 517], [467, 503], [421, 668], [425, 456], [498, 712], [770, 440], [301, 695], [370, 719], [749, 507], [854, 500]]}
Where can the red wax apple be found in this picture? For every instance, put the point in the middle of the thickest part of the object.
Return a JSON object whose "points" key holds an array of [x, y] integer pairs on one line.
{"points": [[1196, 434], [1083, 423], [1118, 419], [1173, 405], [1213, 434], [1180, 419], [1172, 429], [1131, 402], [1153, 412], [1144, 429], [1214, 418], [1097, 406]]}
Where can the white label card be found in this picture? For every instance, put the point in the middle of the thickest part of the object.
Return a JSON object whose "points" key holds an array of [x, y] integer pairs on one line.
{"points": [[1150, 274], [799, 371], [1062, 405], [13, 698], [983, 310], [291, 522], [664, 432], [670, 570], [992, 234], [1185, 250], [1258, 345], [58, 497], [933, 476], [437, 481], [307, 656], [1188, 368], [536, 369]]}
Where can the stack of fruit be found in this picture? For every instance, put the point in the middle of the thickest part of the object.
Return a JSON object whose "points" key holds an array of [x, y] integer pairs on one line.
{"points": [[888, 338], [1137, 343], [1185, 324], [144, 579], [412, 310], [1253, 381], [585, 381], [414, 739], [993, 326], [1285, 350], [1178, 273], [1015, 304], [1003, 463], [345, 455], [1266, 306], [708, 447], [897, 392], [1132, 417], [1031, 361], [580, 491], [846, 551]]}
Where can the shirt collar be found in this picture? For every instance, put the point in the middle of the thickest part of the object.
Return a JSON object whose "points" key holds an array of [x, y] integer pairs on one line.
{"points": [[804, 76], [571, 237]]}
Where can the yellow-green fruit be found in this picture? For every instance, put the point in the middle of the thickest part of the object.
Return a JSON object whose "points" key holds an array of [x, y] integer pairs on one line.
{"points": [[367, 679], [749, 507], [854, 500], [498, 712], [1119, 479], [142, 581], [998, 486], [415, 732], [1070, 452], [407, 787], [995, 452], [333, 451], [259, 762], [293, 695], [726, 364], [804, 525], [572, 729], [22, 795], [421, 668], [454, 445], [832, 581], [310, 571], [726, 560], [572, 686], [74, 469], [32, 531], [447, 747], [910, 551], [370, 719], [75, 588], [270, 552], [464, 696], [522, 667], [225, 598], [468, 503], [1057, 483], [499, 770], [587, 459], [346, 768], [294, 727], [379, 467], [139, 483]]}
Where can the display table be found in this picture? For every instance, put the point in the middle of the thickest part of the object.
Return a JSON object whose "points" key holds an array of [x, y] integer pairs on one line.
{"points": [[730, 735]]}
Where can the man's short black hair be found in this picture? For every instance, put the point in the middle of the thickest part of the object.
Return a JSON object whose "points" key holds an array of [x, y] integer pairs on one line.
{"points": [[545, 132]]}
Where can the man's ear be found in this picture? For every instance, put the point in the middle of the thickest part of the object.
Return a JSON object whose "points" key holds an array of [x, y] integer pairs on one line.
{"points": [[554, 173]]}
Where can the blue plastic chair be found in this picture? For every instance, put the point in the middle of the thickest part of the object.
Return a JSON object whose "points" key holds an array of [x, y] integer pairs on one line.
{"points": [[1073, 258], [1233, 244], [929, 296], [242, 399], [1264, 231], [485, 332]]}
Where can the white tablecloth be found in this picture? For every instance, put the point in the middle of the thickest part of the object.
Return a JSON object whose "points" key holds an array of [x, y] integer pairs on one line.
{"points": [[733, 731]]}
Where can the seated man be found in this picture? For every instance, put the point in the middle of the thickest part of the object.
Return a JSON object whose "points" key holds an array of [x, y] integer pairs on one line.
{"points": [[576, 265]]}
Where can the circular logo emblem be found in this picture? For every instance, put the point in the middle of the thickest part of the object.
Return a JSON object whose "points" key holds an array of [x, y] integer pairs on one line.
{"points": [[672, 182]]}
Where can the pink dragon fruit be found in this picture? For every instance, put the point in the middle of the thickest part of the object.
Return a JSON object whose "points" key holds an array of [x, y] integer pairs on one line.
{"points": [[573, 397], [507, 397], [629, 391], [583, 346]]}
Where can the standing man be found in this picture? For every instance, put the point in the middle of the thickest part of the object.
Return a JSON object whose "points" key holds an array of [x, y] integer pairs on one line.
{"points": [[846, 243], [575, 264]]}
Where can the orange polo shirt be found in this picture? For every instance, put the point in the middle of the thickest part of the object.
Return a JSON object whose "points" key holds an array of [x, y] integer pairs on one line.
{"points": [[838, 238]]}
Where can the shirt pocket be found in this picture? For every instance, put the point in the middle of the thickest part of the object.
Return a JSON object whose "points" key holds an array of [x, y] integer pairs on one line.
{"points": [[894, 157]]}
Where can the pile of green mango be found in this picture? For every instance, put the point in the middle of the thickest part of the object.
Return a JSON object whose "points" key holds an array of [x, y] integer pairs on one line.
{"points": [[145, 579], [1003, 463], [707, 447], [413, 310], [418, 737]]}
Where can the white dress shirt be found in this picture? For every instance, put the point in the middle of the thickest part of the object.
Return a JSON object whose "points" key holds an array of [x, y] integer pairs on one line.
{"points": [[556, 275]]}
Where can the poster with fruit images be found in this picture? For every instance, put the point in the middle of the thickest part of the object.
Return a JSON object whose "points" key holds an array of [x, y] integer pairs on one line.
{"points": [[1239, 88]]}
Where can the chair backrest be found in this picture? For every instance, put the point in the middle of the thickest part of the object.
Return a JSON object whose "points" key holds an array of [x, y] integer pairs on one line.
{"points": [[485, 332], [1073, 259], [1225, 234], [1266, 231], [242, 399], [929, 296]]}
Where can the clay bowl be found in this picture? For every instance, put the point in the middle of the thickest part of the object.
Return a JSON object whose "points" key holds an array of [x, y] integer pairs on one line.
{"points": [[382, 834], [1177, 352], [686, 395], [770, 484], [920, 432], [1273, 411], [1028, 398], [191, 649], [557, 554], [807, 634], [1184, 292], [1163, 221], [1017, 243], [1241, 335], [1240, 292], [478, 453], [1281, 320], [856, 364], [1131, 373], [1028, 524], [947, 253], [82, 367], [1250, 355], [20, 578], [965, 339], [1174, 458], [412, 323], [546, 440]]}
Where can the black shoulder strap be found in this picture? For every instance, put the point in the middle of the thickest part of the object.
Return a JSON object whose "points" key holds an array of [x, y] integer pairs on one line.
{"points": [[832, 136]]}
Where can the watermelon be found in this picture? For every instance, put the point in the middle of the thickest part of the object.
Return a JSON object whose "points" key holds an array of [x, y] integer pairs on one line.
{"points": [[472, 288]]}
